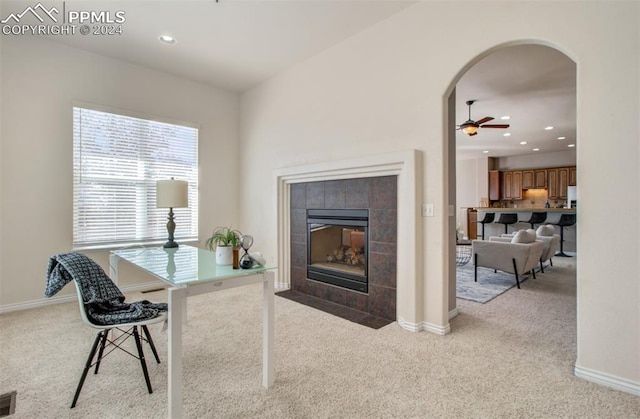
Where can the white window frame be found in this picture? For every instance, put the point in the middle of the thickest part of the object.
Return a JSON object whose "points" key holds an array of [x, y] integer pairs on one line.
{"points": [[117, 159]]}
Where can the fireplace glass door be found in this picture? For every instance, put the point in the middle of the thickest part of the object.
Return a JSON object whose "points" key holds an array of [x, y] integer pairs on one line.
{"points": [[337, 247]]}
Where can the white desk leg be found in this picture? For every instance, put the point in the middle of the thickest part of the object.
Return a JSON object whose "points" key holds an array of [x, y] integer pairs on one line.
{"points": [[177, 297], [268, 318]]}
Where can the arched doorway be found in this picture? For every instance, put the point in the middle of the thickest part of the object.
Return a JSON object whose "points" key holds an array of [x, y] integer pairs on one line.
{"points": [[530, 82]]}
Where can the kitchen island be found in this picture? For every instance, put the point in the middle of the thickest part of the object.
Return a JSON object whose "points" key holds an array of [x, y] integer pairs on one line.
{"points": [[553, 215]]}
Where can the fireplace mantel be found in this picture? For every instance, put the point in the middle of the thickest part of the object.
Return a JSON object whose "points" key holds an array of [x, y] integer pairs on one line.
{"points": [[407, 166]]}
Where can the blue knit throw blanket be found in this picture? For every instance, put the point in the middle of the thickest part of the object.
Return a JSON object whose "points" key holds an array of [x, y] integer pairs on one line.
{"points": [[103, 301]]}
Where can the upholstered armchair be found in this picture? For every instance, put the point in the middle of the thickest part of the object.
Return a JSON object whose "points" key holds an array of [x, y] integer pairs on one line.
{"points": [[516, 255], [546, 234]]}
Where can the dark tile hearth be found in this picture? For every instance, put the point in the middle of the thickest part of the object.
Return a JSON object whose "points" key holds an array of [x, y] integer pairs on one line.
{"points": [[355, 316]]}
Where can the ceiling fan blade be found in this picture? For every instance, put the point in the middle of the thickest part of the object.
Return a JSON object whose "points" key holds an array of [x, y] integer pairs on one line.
{"points": [[495, 126], [485, 119]]}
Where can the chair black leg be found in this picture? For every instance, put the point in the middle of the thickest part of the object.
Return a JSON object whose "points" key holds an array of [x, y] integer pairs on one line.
{"points": [[551, 261], [87, 366], [475, 267], [533, 272], [153, 347], [482, 231], [515, 270], [101, 351], [541, 266], [141, 356]]}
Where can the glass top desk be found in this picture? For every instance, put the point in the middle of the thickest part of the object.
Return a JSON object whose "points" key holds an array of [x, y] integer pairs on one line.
{"points": [[191, 271]]}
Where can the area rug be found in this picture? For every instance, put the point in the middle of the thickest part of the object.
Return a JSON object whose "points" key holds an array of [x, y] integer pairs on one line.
{"points": [[490, 284]]}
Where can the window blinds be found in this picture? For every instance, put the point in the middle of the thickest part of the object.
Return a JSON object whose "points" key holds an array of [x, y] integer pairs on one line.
{"points": [[117, 160]]}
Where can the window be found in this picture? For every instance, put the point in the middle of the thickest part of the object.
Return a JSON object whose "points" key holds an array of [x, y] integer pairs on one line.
{"points": [[117, 160]]}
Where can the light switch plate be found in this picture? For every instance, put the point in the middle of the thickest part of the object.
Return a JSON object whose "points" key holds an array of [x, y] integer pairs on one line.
{"points": [[427, 210]]}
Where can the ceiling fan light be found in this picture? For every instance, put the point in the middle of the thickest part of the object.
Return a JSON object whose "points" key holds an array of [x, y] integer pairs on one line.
{"points": [[470, 129]]}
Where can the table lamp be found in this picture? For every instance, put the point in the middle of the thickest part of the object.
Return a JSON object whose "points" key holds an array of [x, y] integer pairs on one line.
{"points": [[171, 194]]}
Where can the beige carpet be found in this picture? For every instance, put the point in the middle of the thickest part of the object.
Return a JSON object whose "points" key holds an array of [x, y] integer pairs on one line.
{"points": [[512, 357]]}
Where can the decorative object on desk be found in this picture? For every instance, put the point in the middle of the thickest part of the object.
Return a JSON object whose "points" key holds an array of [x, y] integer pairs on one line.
{"points": [[246, 242], [236, 258], [223, 240], [172, 194], [258, 259]]}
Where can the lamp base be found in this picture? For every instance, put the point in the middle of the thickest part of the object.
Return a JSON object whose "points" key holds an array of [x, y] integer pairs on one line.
{"points": [[170, 244]]}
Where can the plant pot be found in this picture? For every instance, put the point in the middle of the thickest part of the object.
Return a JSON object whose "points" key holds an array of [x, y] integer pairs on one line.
{"points": [[224, 255]]}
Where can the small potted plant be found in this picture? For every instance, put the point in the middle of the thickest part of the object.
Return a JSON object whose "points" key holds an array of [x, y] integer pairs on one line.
{"points": [[223, 240]]}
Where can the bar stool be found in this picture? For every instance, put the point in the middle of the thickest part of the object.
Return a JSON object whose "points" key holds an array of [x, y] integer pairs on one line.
{"points": [[488, 218], [537, 218], [506, 219], [566, 220]]}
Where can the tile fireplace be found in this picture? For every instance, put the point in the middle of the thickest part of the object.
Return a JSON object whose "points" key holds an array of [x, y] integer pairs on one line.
{"points": [[343, 238]]}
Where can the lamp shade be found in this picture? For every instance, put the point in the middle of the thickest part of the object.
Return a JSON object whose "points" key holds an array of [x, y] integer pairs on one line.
{"points": [[172, 194], [470, 129]]}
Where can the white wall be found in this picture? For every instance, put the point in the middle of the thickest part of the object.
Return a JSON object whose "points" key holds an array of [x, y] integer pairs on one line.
{"points": [[386, 88], [472, 185], [538, 160], [40, 81]]}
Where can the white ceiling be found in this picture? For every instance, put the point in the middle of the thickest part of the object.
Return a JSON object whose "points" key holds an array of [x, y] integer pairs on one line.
{"points": [[232, 44], [534, 85], [235, 45]]}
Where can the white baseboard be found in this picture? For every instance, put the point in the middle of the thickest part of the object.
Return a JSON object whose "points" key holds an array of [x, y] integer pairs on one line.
{"points": [[73, 297], [428, 327], [411, 327], [453, 313], [607, 380], [280, 286], [438, 330]]}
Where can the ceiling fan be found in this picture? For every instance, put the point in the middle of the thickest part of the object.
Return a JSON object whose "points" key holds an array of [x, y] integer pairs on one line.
{"points": [[470, 127]]}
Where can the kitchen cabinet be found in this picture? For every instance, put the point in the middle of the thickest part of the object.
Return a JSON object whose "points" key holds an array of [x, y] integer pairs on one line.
{"points": [[557, 183], [516, 185], [528, 179], [472, 226], [512, 184], [552, 184], [563, 182], [540, 179], [509, 184], [495, 184], [573, 178], [534, 179]]}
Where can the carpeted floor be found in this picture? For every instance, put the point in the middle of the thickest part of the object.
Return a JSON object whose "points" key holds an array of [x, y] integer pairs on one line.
{"points": [[512, 358]]}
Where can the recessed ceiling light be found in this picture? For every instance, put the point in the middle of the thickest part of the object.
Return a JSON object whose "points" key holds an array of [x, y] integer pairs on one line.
{"points": [[505, 117], [507, 134], [536, 149], [167, 39], [548, 128], [523, 142], [561, 138], [571, 145], [485, 151]]}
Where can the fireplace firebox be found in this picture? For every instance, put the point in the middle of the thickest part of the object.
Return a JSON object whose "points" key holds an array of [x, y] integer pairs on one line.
{"points": [[337, 247]]}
